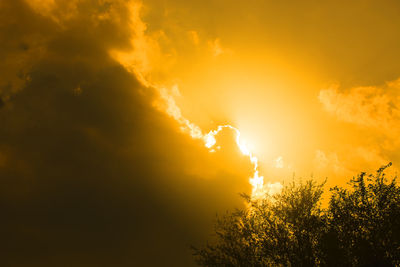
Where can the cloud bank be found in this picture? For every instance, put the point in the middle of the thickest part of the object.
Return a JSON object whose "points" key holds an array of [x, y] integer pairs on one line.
{"points": [[91, 173]]}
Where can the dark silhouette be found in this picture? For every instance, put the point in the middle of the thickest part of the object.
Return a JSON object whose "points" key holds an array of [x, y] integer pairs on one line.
{"points": [[360, 227]]}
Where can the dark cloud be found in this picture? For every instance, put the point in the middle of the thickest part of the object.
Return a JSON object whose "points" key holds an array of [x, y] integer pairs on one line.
{"points": [[91, 174]]}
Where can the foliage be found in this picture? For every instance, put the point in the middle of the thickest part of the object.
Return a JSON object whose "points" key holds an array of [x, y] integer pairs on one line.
{"points": [[360, 227], [366, 220]]}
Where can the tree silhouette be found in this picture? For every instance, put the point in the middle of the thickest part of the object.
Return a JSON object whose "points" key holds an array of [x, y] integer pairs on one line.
{"points": [[365, 220], [360, 227]]}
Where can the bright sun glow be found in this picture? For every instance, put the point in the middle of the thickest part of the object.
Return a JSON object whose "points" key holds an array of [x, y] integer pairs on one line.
{"points": [[259, 189], [256, 181]]}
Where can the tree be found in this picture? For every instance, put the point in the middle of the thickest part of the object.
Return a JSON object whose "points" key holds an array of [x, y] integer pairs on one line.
{"points": [[365, 220], [281, 230], [360, 227]]}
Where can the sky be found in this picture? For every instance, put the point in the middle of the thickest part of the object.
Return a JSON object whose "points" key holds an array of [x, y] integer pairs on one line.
{"points": [[107, 107]]}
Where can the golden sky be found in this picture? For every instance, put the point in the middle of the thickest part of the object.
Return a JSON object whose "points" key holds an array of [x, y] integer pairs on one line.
{"points": [[105, 107], [312, 85]]}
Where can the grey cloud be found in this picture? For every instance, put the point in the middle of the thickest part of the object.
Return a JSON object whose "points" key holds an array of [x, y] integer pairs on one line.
{"points": [[95, 178]]}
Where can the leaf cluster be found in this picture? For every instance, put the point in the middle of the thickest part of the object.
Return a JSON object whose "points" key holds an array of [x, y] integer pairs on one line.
{"points": [[360, 227]]}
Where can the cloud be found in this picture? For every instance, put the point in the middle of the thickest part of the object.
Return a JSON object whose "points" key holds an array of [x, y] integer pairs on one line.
{"points": [[91, 173], [376, 107], [279, 163], [375, 110], [58, 11], [194, 37], [329, 162], [147, 48], [22, 45], [217, 49]]}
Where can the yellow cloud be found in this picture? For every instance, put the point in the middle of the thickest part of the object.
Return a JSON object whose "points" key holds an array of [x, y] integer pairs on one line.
{"points": [[329, 161], [371, 106], [57, 10], [279, 164], [194, 37], [216, 48], [377, 110]]}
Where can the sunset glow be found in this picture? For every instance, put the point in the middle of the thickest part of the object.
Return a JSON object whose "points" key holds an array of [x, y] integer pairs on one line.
{"points": [[259, 190], [126, 126]]}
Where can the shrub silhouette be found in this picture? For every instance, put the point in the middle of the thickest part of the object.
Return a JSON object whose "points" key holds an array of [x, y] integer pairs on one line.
{"points": [[365, 221], [360, 227]]}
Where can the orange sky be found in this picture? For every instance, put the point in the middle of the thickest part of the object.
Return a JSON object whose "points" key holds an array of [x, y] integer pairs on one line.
{"points": [[313, 86], [104, 107]]}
